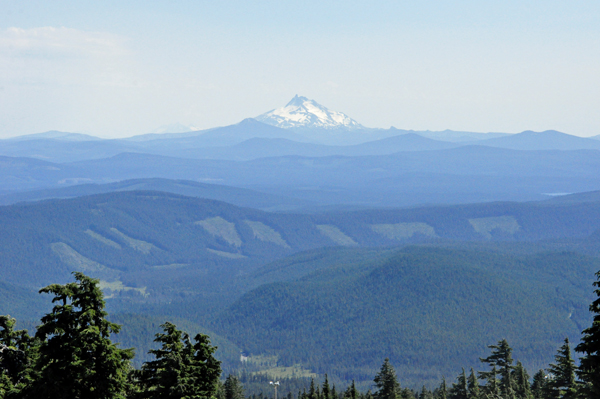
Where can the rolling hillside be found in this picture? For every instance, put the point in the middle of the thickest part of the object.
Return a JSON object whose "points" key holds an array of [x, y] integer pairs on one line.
{"points": [[233, 195], [431, 311], [135, 236], [151, 247], [321, 290]]}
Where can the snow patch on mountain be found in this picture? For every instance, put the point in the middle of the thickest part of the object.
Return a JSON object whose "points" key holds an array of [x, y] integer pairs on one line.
{"points": [[302, 112]]}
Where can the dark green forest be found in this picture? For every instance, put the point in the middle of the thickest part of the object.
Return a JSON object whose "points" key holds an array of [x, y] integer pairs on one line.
{"points": [[296, 297], [71, 355], [429, 310]]}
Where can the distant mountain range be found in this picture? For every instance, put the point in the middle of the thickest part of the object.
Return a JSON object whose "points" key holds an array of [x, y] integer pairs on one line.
{"points": [[313, 155], [408, 178], [547, 140], [55, 135], [302, 127], [251, 139], [233, 195]]}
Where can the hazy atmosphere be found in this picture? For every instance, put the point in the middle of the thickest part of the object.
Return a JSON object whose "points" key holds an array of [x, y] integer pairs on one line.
{"points": [[117, 69]]}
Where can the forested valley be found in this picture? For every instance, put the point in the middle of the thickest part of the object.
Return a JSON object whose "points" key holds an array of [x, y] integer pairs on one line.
{"points": [[71, 355], [297, 297]]}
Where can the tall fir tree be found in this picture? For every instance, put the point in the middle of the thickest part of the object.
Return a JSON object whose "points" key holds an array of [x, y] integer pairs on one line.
{"points": [[312, 392], [501, 362], [521, 382], [182, 369], [326, 392], [425, 393], [407, 393], [351, 391], [232, 388], [491, 389], [76, 356], [563, 384], [473, 386], [589, 366], [539, 385], [460, 388], [442, 392], [386, 382]]}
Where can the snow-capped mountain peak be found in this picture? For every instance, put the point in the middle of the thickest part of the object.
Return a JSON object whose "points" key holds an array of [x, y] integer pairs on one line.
{"points": [[302, 112]]}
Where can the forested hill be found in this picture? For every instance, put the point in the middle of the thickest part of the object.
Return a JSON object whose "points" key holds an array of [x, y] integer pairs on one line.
{"points": [[233, 195], [136, 238], [431, 311], [322, 290]]}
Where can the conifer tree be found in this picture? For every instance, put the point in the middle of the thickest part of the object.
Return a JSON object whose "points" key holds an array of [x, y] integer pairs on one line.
{"points": [[443, 390], [491, 389], [425, 393], [589, 366], [459, 389], [407, 393], [232, 388], [563, 383], [326, 392], [387, 382], [501, 361], [182, 369], [351, 392], [17, 355], [312, 392], [473, 386], [76, 356], [538, 385], [219, 394], [521, 382]]}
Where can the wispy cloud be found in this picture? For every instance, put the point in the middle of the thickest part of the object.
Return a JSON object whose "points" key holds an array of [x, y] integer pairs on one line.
{"points": [[63, 56], [60, 42]]}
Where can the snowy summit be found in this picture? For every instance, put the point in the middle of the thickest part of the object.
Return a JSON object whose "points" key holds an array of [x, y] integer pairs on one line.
{"points": [[302, 112]]}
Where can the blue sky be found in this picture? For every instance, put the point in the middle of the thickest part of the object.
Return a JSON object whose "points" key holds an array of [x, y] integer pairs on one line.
{"points": [[119, 68]]}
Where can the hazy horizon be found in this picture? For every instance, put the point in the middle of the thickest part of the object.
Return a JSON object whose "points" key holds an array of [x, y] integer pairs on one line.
{"points": [[116, 69]]}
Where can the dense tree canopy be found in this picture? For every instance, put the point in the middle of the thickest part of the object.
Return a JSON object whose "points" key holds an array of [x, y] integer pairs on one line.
{"points": [[17, 355], [182, 369], [589, 369], [232, 388], [76, 356], [72, 356]]}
